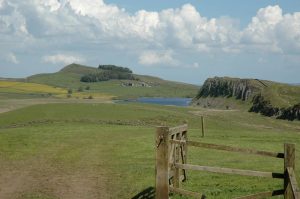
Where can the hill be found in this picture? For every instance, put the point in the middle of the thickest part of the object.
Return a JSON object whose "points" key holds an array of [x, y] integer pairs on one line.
{"points": [[140, 86], [266, 97]]}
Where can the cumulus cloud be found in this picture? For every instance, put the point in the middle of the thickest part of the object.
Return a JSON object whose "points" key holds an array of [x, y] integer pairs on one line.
{"points": [[156, 58], [61, 58], [271, 31], [52, 24]]}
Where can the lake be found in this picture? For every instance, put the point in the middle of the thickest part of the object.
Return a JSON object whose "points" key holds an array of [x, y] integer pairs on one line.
{"points": [[163, 101]]}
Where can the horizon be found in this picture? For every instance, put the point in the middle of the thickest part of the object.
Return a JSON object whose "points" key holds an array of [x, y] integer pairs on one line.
{"points": [[295, 83], [185, 41]]}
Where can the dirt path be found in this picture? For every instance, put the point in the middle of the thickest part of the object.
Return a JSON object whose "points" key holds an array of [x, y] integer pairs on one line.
{"points": [[42, 180]]}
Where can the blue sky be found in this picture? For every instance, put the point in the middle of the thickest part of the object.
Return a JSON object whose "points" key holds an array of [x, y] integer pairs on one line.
{"points": [[179, 40], [239, 9]]}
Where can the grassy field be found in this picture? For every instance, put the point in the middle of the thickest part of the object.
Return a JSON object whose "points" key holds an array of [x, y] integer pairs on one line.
{"points": [[14, 87], [25, 90], [92, 150]]}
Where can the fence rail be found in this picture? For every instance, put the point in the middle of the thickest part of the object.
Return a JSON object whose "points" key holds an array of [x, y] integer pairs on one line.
{"points": [[171, 165], [230, 171], [228, 148]]}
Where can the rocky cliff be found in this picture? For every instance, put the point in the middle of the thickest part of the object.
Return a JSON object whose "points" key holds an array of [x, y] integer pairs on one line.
{"points": [[291, 113], [242, 89], [217, 91], [260, 105]]}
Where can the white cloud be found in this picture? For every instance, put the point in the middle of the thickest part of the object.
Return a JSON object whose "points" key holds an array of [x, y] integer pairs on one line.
{"points": [[75, 24], [157, 58], [271, 31], [11, 57], [53, 4], [61, 58], [182, 27], [1, 3]]}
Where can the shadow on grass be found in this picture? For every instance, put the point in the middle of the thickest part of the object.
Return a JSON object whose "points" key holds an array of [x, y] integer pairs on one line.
{"points": [[148, 193]]}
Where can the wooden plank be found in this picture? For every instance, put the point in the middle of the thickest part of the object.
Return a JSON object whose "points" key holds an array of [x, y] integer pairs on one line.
{"points": [[176, 160], [229, 171], [187, 193], [289, 161], [229, 148], [162, 166], [184, 150], [178, 129], [289, 154], [263, 195], [171, 153], [293, 182]]}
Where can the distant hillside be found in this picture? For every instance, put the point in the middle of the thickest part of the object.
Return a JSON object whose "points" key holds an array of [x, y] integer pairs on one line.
{"points": [[140, 86], [265, 97]]}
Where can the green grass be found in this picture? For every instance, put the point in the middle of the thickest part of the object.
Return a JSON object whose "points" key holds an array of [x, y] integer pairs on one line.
{"points": [[282, 95], [87, 150]]}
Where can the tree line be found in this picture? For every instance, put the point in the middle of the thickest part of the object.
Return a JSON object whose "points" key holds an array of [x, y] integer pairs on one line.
{"points": [[108, 72]]}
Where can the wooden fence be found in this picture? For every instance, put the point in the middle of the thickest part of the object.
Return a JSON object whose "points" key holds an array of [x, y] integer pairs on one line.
{"points": [[171, 165]]}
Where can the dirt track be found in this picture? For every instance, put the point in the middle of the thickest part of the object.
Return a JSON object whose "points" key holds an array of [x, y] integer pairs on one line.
{"points": [[37, 178]]}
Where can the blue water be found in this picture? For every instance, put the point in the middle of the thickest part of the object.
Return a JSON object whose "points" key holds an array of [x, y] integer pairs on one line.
{"points": [[165, 101]]}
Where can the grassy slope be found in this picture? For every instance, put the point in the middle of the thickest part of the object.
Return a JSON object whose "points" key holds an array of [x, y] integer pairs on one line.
{"points": [[85, 150], [282, 95], [69, 77]]}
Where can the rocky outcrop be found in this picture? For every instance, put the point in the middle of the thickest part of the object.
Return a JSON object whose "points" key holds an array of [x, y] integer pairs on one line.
{"points": [[227, 87], [215, 90], [260, 105], [291, 113]]}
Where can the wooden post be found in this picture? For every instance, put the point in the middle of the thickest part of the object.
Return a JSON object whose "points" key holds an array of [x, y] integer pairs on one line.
{"points": [[289, 161], [176, 160], [184, 151], [202, 125], [162, 163]]}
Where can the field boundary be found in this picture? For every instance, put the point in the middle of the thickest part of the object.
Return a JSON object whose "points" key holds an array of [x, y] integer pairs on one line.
{"points": [[171, 165]]}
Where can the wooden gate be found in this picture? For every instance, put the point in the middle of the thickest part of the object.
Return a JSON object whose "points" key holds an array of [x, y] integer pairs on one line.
{"points": [[171, 165]]}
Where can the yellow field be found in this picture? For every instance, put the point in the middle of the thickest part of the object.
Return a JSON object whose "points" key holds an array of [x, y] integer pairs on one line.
{"points": [[24, 87]]}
